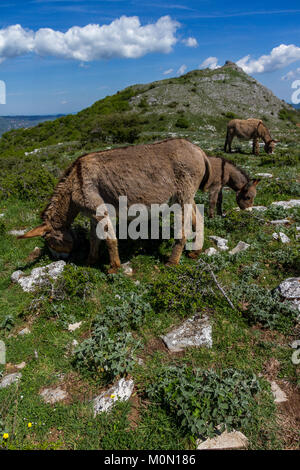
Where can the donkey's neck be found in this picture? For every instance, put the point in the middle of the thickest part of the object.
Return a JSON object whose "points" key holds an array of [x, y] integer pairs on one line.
{"points": [[264, 134], [236, 178], [60, 211]]}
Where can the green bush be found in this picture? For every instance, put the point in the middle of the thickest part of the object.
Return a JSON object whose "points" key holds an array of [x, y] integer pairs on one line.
{"points": [[182, 122], [200, 401], [30, 182]]}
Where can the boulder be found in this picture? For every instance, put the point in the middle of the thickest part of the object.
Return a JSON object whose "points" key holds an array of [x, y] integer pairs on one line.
{"points": [[281, 236], [287, 204], [220, 242], [241, 246], [226, 441], [121, 391], [53, 395], [38, 276], [196, 331], [10, 379]]}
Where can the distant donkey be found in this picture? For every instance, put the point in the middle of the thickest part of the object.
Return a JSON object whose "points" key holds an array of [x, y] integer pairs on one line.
{"points": [[171, 170], [249, 129], [225, 173]]}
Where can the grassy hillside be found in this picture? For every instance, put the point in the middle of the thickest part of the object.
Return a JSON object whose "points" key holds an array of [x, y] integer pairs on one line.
{"points": [[177, 396]]}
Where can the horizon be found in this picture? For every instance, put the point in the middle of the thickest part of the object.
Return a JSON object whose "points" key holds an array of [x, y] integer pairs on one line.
{"points": [[60, 56]]}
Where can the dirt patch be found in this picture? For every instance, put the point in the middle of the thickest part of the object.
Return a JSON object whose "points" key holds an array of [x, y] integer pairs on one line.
{"points": [[134, 415], [289, 418], [154, 344]]}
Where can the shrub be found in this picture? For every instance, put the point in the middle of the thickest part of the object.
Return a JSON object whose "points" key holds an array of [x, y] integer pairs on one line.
{"points": [[28, 182], [111, 354], [201, 401], [182, 122]]}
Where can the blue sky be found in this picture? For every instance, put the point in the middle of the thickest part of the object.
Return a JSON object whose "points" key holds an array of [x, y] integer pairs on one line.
{"points": [[66, 54]]}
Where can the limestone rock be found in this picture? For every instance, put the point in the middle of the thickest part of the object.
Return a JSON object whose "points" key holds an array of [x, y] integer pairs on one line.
{"points": [[241, 246], [25, 331], [256, 208], [281, 236], [127, 268], [121, 391], [279, 395], [265, 175], [38, 276], [211, 251], [279, 222], [53, 395], [17, 233], [287, 204], [196, 331], [289, 289], [226, 441], [10, 379], [74, 326], [220, 242]]}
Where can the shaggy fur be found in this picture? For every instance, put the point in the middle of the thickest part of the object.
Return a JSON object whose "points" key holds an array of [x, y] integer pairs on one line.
{"points": [[171, 170], [224, 172], [249, 129]]}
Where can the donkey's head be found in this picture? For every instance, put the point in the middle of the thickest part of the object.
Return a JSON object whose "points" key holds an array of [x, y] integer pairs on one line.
{"points": [[60, 242], [270, 146], [245, 196]]}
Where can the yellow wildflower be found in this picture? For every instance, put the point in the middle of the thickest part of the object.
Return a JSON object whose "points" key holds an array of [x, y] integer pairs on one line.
{"points": [[29, 425], [5, 435], [112, 396]]}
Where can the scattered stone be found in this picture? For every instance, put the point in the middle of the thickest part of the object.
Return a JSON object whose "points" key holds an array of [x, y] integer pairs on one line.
{"points": [[17, 233], [287, 204], [290, 290], [21, 365], [279, 395], [279, 222], [25, 331], [226, 441], [121, 391], [10, 379], [281, 236], [265, 175], [127, 268], [53, 395], [196, 331], [298, 228], [220, 242], [74, 326], [211, 251], [38, 276], [241, 246], [2, 215]]}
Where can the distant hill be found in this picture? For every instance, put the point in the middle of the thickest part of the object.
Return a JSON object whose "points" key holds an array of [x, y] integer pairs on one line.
{"points": [[7, 123], [199, 102]]}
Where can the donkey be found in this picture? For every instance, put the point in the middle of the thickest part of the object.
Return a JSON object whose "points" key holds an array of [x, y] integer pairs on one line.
{"points": [[249, 129], [224, 172], [170, 170]]}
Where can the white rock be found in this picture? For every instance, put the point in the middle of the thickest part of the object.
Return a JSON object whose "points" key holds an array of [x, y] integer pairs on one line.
{"points": [[38, 276], [127, 268], [17, 233], [290, 288], [211, 251], [10, 379], [220, 242], [281, 236], [121, 391], [226, 441], [2, 215], [298, 228], [53, 395], [241, 246], [74, 326], [195, 331], [25, 331], [279, 395], [279, 222], [265, 175], [287, 204]]}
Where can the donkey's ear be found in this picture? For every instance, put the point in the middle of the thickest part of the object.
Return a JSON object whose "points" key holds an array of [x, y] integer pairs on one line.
{"points": [[36, 232], [256, 181]]}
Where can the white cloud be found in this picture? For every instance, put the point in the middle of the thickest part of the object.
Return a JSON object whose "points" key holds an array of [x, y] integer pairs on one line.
{"points": [[124, 37], [181, 70], [292, 74], [190, 42], [278, 58], [167, 72], [210, 62]]}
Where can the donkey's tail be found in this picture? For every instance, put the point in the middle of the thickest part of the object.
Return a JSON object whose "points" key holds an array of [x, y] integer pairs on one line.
{"points": [[208, 172]]}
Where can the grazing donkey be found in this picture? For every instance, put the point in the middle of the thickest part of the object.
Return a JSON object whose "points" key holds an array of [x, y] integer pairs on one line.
{"points": [[171, 170], [224, 172], [249, 129]]}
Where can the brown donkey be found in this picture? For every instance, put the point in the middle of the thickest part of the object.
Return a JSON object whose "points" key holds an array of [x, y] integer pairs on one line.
{"points": [[171, 170], [225, 173], [249, 129]]}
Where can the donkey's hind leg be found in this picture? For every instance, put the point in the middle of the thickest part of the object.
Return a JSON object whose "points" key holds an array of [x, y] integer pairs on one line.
{"points": [[180, 241], [198, 229], [219, 202], [255, 146]]}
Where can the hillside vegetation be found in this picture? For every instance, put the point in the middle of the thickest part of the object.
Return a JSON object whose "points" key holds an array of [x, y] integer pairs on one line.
{"points": [[177, 397]]}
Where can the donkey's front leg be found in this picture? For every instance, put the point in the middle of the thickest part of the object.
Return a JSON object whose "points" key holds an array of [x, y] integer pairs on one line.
{"points": [[213, 197], [219, 202], [94, 244], [255, 147]]}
